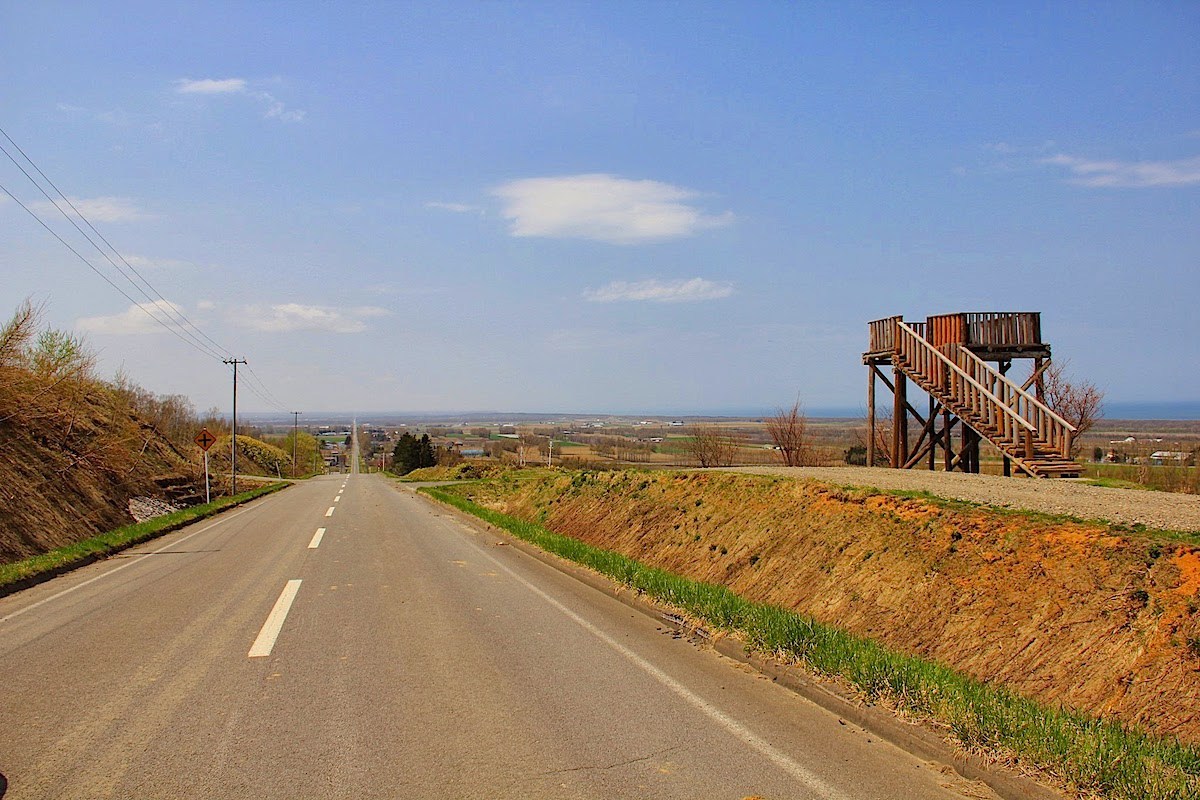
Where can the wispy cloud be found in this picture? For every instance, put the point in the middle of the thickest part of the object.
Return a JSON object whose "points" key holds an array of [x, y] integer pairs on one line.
{"points": [[273, 107], [604, 208], [458, 208], [210, 86], [692, 290], [97, 209], [1128, 174], [134, 320], [289, 317], [142, 262]]}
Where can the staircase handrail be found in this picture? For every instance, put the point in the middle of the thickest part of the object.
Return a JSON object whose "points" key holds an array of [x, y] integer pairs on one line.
{"points": [[1041, 405], [1051, 427], [962, 373]]}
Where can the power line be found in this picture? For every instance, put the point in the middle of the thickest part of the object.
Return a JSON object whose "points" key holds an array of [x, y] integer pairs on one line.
{"points": [[109, 244], [176, 322], [270, 396], [90, 265], [166, 309]]}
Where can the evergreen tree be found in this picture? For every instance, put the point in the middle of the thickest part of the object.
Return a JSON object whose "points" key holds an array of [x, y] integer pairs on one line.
{"points": [[405, 456], [425, 456]]}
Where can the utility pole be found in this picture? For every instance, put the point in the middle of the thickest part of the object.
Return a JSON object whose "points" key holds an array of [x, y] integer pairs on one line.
{"points": [[233, 439], [550, 453], [295, 425]]}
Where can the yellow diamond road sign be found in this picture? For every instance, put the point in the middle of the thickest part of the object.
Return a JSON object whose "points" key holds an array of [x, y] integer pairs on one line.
{"points": [[205, 439]]}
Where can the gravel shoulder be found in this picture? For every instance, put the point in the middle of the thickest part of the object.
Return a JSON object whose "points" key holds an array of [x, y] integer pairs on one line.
{"points": [[1161, 510]]}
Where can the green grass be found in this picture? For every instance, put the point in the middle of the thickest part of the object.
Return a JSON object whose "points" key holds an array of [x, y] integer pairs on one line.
{"points": [[1090, 755], [1159, 477], [1117, 483], [121, 538]]}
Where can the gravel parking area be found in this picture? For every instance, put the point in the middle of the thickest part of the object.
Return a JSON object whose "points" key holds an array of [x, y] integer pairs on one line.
{"points": [[1163, 510]]}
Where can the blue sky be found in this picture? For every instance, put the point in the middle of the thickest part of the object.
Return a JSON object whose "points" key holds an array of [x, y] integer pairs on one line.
{"points": [[628, 207]]}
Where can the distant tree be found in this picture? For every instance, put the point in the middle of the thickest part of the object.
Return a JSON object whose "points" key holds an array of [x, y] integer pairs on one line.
{"points": [[788, 429], [404, 455], [856, 455], [883, 440], [412, 453], [710, 447], [1079, 403], [425, 454]]}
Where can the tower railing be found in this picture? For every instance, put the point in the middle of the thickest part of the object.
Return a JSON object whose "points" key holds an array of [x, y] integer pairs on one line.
{"points": [[965, 386]]}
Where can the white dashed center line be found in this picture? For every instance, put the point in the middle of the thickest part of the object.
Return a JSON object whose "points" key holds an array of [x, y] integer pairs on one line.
{"points": [[265, 642], [329, 513], [316, 539]]}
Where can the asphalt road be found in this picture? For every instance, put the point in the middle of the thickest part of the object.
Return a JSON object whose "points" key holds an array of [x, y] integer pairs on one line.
{"points": [[398, 653]]}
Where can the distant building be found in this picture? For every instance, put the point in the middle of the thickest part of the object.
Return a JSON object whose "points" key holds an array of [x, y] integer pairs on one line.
{"points": [[1161, 457]]}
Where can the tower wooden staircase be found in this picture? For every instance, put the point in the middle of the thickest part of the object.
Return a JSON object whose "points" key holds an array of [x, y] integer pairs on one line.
{"points": [[943, 357]]}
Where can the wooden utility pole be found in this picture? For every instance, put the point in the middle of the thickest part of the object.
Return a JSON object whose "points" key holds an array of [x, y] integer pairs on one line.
{"points": [[295, 426], [233, 438]]}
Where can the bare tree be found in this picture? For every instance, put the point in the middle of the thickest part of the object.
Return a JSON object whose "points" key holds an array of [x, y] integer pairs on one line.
{"points": [[711, 447], [1080, 404], [883, 439], [788, 429]]}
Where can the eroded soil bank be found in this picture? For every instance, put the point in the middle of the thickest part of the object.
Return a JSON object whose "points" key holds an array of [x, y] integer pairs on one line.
{"points": [[1078, 614]]}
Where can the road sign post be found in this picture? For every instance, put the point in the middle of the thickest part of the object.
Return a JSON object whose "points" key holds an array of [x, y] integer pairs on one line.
{"points": [[205, 440]]}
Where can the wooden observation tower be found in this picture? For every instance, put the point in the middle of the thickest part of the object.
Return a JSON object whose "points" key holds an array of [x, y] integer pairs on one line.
{"points": [[950, 357]]}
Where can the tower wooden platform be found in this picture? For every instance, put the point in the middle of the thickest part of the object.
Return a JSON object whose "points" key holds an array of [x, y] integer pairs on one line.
{"points": [[950, 357]]}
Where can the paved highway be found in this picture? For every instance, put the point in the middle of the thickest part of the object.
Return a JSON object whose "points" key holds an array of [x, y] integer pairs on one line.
{"points": [[348, 639]]}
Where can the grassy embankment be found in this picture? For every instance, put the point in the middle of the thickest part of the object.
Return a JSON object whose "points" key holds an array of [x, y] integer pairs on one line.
{"points": [[1163, 478], [104, 544], [1091, 756]]}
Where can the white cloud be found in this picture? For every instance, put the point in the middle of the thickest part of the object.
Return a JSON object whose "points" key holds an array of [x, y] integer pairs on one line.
{"points": [[211, 86], [97, 209], [141, 262], [458, 208], [134, 320], [692, 290], [273, 107], [288, 317], [603, 208], [277, 110], [1129, 174]]}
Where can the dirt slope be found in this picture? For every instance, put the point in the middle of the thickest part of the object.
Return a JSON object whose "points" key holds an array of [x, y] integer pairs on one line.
{"points": [[62, 480], [1084, 615]]}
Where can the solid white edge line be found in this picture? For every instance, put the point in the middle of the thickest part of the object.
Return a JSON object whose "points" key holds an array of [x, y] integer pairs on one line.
{"points": [[128, 563], [316, 539], [265, 642], [329, 513], [785, 762]]}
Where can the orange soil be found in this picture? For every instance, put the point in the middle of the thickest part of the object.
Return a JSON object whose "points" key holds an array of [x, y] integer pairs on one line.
{"points": [[1069, 613]]}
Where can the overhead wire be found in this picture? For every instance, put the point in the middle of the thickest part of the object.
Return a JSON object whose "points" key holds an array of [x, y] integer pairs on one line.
{"points": [[80, 256], [171, 308], [174, 325], [270, 397], [175, 322]]}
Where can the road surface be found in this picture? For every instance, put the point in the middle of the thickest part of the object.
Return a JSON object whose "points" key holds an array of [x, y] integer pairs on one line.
{"points": [[349, 639]]}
